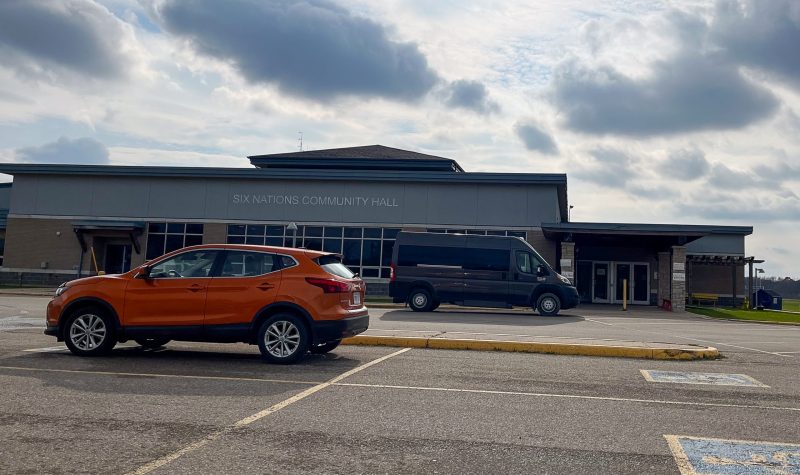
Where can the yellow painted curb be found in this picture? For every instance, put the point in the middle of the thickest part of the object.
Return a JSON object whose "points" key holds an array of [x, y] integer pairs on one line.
{"points": [[535, 347]]}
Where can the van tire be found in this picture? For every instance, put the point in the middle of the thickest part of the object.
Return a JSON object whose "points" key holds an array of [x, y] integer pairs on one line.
{"points": [[420, 300], [548, 304]]}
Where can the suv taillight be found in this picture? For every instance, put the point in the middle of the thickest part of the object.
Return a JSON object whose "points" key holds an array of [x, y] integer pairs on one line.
{"points": [[329, 286]]}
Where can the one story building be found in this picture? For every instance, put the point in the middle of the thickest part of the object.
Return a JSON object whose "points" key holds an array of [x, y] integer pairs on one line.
{"points": [[65, 221]]}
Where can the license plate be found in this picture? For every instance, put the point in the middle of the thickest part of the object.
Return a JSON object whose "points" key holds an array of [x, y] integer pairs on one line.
{"points": [[357, 298]]}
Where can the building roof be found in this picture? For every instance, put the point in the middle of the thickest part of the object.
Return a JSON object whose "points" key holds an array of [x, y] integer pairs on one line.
{"points": [[368, 157]]}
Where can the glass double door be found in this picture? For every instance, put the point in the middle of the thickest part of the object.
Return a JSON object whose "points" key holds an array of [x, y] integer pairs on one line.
{"points": [[608, 282]]}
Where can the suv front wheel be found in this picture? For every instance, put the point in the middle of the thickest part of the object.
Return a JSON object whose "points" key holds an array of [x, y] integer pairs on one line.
{"points": [[283, 339], [89, 332]]}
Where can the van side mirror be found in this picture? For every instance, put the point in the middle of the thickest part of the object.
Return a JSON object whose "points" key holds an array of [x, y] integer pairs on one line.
{"points": [[144, 273], [540, 270]]}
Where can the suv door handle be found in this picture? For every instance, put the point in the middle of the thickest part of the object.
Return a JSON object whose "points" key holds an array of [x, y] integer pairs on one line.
{"points": [[265, 286], [196, 287]]}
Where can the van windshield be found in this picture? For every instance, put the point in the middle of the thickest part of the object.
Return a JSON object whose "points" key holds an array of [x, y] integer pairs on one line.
{"points": [[332, 264]]}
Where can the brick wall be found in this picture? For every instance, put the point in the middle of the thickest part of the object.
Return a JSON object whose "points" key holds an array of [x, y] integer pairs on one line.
{"points": [[32, 241], [546, 247]]}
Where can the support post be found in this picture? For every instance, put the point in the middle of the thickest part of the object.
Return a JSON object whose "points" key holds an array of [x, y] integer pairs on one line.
{"points": [[733, 283], [750, 288], [567, 263], [678, 278]]}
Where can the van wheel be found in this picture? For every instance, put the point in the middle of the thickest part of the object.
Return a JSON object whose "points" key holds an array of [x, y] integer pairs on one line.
{"points": [[420, 300], [548, 305], [90, 332], [283, 339], [152, 342], [324, 348]]}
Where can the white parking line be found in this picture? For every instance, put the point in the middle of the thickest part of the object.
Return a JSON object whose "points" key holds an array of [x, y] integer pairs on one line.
{"points": [[570, 396], [160, 462]]}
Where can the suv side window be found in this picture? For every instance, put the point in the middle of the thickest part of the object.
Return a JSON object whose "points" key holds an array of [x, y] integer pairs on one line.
{"points": [[248, 264], [187, 265]]}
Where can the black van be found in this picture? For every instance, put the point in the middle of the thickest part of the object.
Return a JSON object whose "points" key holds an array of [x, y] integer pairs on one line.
{"points": [[476, 271]]}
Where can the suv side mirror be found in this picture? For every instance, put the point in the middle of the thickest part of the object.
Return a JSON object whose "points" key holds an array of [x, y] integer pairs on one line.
{"points": [[540, 271], [144, 273]]}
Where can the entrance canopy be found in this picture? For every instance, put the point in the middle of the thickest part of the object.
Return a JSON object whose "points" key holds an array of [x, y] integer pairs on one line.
{"points": [[655, 236]]}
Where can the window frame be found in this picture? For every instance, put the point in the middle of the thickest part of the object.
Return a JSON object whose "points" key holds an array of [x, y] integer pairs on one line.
{"points": [[211, 271], [277, 266]]}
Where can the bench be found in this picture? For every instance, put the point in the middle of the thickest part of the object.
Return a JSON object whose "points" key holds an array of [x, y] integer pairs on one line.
{"points": [[698, 297]]}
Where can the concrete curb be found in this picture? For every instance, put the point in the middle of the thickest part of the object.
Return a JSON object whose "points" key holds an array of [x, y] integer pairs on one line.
{"points": [[534, 347]]}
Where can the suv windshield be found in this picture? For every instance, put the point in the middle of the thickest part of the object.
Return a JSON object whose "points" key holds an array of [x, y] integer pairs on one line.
{"points": [[333, 265]]}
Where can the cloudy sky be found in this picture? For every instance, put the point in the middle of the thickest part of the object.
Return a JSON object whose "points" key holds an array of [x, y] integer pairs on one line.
{"points": [[658, 111]]}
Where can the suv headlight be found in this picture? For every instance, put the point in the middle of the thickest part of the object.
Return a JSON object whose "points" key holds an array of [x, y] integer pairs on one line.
{"points": [[61, 288], [564, 279]]}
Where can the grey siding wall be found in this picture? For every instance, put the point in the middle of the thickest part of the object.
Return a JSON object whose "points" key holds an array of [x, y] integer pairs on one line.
{"points": [[303, 201], [720, 244]]}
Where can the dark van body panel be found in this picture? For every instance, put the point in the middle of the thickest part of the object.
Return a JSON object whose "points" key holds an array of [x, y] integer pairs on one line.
{"points": [[474, 270]]}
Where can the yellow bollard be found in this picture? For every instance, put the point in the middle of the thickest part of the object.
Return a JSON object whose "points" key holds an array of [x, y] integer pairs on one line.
{"points": [[625, 294]]}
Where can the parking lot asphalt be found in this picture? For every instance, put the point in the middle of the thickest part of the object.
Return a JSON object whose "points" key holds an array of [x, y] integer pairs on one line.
{"points": [[212, 408]]}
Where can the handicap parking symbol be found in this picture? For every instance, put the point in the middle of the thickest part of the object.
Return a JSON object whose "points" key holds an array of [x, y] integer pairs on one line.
{"points": [[709, 456]]}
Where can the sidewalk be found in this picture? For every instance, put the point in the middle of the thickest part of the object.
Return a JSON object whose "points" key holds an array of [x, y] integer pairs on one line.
{"points": [[530, 344]]}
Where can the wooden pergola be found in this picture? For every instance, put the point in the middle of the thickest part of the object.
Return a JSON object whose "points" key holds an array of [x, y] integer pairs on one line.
{"points": [[733, 262]]}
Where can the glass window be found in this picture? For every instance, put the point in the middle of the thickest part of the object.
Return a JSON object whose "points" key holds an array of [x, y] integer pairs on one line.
{"points": [[194, 228], [313, 231], [332, 245], [430, 255], [352, 252], [520, 234], [366, 272], [386, 253], [287, 262], [390, 233], [372, 233], [255, 240], [352, 232], [255, 229], [157, 228], [495, 232], [235, 239], [178, 228], [273, 241], [371, 255], [247, 264], [333, 231], [315, 244], [524, 263], [191, 264], [174, 242], [155, 246], [487, 259], [274, 230], [193, 240], [332, 265], [236, 229]]}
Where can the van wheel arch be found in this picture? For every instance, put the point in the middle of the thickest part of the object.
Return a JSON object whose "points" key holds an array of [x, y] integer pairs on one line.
{"points": [[545, 289]]}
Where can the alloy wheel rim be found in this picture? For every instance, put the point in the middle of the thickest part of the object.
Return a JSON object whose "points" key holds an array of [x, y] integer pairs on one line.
{"points": [[282, 339], [87, 332], [420, 300]]}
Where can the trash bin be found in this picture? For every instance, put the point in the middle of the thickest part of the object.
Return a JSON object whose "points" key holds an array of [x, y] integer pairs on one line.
{"points": [[769, 299]]}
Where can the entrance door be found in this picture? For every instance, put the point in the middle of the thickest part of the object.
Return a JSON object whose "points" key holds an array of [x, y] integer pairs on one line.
{"points": [[600, 282], [117, 259], [638, 279]]}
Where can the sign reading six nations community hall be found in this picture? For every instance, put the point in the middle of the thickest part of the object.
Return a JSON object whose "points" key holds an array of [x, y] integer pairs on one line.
{"points": [[314, 200]]}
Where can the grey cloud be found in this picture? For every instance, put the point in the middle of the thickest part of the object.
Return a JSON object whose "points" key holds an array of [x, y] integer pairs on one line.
{"points": [[309, 48], [76, 35], [744, 209], [471, 95], [688, 93], [760, 34], [84, 151], [535, 138], [686, 164], [609, 167]]}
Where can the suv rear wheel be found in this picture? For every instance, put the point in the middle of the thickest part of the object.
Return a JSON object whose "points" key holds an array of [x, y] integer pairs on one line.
{"points": [[283, 339], [89, 332], [420, 300], [548, 304]]}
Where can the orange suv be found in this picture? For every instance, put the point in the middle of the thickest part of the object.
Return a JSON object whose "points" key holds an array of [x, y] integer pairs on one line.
{"points": [[288, 301]]}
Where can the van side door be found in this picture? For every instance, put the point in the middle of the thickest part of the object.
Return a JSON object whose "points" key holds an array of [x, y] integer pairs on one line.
{"points": [[440, 266], [523, 277], [486, 273]]}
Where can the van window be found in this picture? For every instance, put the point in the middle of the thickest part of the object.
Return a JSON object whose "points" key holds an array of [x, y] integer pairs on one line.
{"points": [[412, 256], [528, 263], [487, 259]]}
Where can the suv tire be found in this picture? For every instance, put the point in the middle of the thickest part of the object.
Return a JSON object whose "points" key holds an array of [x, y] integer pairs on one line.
{"points": [[152, 342], [89, 331], [548, 304], [283, 339], [325, 347], [420, 300]]}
